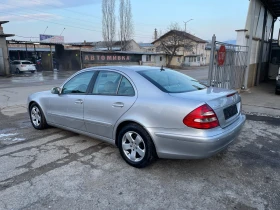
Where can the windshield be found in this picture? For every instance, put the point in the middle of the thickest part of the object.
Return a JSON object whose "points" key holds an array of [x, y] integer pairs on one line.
{"points": [[171, 81]]}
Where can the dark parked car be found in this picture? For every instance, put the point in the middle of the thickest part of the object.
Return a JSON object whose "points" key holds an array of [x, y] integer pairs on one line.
{"points": [[277, 88], [39, 64]]}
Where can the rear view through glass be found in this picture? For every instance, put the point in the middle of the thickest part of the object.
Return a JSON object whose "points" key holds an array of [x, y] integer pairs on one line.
{"points": [[170, 81]]}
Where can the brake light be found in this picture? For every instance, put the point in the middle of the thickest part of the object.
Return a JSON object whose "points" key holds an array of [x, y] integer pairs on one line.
{"points": [[22, 65], [202, 117]]}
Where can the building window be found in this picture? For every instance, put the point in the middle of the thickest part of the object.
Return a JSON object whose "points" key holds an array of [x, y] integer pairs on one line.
{"points": [[194, 59], [178, 59], [198, 58], [160, 58], [191, 59], [148, 58]]}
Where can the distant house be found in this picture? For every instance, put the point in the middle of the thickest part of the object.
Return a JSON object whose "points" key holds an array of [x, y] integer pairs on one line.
{"points": [[197, 56], [147, 47]]}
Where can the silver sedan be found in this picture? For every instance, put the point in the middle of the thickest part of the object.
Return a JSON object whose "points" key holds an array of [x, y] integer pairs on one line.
{"points": [[147, 112]]}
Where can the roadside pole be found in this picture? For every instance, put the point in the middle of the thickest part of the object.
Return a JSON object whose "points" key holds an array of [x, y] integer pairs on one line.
{"points": [[51, 57], [212, 57]]}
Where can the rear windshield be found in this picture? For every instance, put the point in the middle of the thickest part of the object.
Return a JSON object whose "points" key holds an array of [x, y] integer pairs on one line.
{"points": [[26, 62], [171, 81]]}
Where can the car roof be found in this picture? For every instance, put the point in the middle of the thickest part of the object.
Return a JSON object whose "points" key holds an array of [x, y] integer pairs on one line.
{"points": [[124, 68]]}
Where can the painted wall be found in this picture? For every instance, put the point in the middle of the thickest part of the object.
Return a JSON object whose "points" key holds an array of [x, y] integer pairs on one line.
{"points": [[156, 60], [5, 65]]}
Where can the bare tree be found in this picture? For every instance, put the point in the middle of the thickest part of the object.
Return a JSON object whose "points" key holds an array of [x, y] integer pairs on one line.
{"points": [[175, 40], [108, 22], [126, 24]]}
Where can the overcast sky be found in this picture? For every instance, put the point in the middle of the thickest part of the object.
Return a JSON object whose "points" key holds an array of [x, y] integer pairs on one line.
{"points": [[82, 19]]}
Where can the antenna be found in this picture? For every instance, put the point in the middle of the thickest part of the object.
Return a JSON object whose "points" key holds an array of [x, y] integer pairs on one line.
{"points": [[45, 29], [62, 32]]}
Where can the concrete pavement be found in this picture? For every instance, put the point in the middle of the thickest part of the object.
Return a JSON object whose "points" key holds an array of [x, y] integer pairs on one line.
{"points": [[57, 169]]}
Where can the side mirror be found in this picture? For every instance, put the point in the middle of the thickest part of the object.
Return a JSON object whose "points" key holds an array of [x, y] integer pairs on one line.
{"points": [[56, 90]]}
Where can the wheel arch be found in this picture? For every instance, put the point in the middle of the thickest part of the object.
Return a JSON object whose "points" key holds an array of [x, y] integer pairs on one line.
{"points": [[123, 124]]}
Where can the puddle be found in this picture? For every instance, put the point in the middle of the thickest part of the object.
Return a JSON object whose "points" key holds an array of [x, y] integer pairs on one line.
{"points": [[10, 137], [8, 134]]}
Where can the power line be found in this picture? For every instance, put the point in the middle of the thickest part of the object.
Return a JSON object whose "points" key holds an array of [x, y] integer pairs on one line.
{"points": [[65, 24], [68, 18], [77, 19], [100, 18]]}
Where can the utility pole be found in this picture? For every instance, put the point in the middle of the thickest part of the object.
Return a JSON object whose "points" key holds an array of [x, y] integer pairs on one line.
{"points": [[186, 24]]}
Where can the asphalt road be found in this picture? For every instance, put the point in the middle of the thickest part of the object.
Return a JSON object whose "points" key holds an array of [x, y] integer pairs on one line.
{"points": [[57, 169]]}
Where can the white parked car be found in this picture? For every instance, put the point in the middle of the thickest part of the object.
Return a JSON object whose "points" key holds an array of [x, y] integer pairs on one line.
{"points": [[19, 66]]}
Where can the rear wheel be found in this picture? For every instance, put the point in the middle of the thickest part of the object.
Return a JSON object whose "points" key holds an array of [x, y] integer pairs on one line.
{"points": [[136, 146], [277, 92], [17, 71], [37, 117]]}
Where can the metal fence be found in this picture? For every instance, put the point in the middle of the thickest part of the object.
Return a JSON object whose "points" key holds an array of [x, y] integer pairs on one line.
{"points": [[230, 74]]}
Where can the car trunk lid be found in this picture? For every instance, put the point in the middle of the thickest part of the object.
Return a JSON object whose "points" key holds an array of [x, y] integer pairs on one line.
{"points": [[225, 103]]}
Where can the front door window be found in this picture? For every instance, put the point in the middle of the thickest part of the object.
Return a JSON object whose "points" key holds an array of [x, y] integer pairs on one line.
{"points": [[78, 84]]}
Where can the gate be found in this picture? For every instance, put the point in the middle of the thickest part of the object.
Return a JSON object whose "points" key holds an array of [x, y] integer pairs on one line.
{"points": [[227, 65]]}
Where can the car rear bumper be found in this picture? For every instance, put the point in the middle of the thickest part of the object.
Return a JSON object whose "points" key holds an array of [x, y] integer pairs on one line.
{"points": [[181, 146], [28, 69]]}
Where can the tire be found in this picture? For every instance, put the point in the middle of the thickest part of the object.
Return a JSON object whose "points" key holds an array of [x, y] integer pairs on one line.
{"points": [[17, 71], [136, 146], [37, 117], [32, 72]]}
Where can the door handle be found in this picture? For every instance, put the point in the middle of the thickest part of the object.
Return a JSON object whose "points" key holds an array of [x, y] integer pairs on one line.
{"points": [[79, 101], [118, 104]]}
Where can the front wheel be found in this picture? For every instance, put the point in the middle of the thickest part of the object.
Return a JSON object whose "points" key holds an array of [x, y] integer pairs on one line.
{"points": [[37, 117], [136, 146], [277, 92], [17, 71]]}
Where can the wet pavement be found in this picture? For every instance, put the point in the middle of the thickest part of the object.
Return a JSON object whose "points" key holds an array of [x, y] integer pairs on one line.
{"points": [[38, 78], [57, 169]]}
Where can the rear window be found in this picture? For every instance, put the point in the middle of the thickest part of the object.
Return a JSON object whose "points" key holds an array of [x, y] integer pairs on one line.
{"points": [[26, 62], [171, 81]]}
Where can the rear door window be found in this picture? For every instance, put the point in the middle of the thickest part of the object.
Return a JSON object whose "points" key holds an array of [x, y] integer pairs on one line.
{"points": [[107, 83]]}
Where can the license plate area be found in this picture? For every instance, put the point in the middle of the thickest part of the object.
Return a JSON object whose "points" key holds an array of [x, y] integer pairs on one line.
{"points": [[230, 111]]}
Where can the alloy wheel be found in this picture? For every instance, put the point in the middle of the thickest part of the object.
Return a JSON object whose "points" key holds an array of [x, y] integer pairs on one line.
{"points": [[36, 116], [133, 146]]}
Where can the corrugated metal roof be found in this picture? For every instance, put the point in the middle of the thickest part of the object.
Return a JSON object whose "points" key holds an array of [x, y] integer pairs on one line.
{"points": [[30, 49], [273, 6]]}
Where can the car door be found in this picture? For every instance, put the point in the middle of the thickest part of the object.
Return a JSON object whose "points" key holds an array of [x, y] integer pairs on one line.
{"points": [[112, 95], [67, 108]]}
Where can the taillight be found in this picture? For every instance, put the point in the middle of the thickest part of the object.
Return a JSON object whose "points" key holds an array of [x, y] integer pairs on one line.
{"points": [[22, 65], [202, 117]]}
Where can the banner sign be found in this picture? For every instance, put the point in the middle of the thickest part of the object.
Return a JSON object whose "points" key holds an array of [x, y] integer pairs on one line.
{"points": [[110, 58], [51, 38]]}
